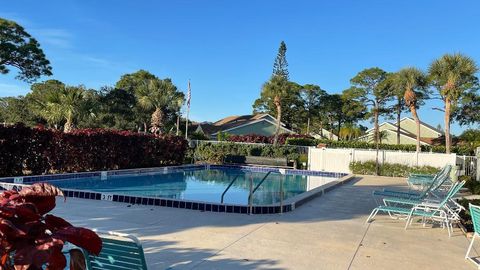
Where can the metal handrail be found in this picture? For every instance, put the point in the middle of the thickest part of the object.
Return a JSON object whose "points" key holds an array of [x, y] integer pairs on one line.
{"points": [[258, 185], [225, 191]]}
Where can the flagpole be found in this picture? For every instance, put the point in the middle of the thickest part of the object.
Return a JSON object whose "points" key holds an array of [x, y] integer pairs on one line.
{"points": [[188, 110]]}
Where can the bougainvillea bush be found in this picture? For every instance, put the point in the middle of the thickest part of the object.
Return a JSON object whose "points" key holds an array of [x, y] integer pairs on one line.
{"points": [[31, 238], [37, 150]]}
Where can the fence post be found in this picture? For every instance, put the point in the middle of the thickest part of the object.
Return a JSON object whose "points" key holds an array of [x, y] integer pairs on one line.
{"points": [[478, 164]]}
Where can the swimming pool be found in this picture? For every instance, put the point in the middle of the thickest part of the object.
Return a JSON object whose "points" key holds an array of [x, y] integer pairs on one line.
{"points": [[199, 187]]}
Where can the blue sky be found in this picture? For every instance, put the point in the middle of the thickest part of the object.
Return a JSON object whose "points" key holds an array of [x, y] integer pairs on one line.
{"points": [[227, 48]]}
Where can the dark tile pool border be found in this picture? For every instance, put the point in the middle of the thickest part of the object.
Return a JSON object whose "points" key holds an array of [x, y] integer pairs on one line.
{"points": [[287, 206]]}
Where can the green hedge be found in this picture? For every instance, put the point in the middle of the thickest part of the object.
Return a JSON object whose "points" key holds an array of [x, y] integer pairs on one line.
{"points": [[461, 150], [301, 141], [389, 169], [216, 152]]}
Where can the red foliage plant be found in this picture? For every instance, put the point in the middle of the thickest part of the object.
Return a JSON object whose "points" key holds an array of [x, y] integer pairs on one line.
{"points": [[31, 238], [40, 151]]}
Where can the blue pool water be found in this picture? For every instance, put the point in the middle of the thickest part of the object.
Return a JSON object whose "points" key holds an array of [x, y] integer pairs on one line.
{"points": [[202, 185]]}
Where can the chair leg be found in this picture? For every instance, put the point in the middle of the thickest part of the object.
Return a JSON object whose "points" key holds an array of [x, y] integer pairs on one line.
{"points": [[372, 215], [470, 246], [409, 220]]}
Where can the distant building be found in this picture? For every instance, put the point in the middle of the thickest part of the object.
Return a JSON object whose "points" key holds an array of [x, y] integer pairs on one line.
{"points": [[408, 133], [327, 135], [259, 124]]}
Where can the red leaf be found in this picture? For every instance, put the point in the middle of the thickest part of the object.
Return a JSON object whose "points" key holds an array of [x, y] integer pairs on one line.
{"points": [[8, 229], [43, 204], [7, 212], [39, 254], [26, 212], [84, 238], [4, 259], [57, 260], [54, 222], [40, 190], [7, 193]]}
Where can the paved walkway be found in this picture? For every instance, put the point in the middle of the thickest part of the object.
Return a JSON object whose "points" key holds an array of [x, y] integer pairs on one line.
{"points": [[326, 233]]}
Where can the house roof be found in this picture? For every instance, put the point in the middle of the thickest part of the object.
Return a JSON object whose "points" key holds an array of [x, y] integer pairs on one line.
{"points": [[390, 124], [232, 122], [403, 130]]}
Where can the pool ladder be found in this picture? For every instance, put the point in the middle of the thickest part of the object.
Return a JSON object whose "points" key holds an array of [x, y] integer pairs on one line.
{"points": [[252, 191]]}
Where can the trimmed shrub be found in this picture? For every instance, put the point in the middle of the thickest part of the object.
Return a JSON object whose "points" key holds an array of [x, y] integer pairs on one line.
{"points": [[251, 138], [305, 140], [302, 141], [216, 152], [459, 149], [282, 138], [389, 169], [37, 151]]}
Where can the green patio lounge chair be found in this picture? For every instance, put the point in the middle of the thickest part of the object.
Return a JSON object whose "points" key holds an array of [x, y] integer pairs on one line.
{"points": [[475, 214], [435, 185], [120, 251], [422, 180], [435, 211]]}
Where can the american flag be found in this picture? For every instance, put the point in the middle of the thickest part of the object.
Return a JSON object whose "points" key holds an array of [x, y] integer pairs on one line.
{"points": [[189, 94]]}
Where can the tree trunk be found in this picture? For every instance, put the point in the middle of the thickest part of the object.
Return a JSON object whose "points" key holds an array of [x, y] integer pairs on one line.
{"points": [[278, 104], [338, 129], [330, 131], [399, 114], [377, 138], [448, 141], [178, 124], [413, 110], [308, 125], [321, 129], [68, 124], [157, 121]]}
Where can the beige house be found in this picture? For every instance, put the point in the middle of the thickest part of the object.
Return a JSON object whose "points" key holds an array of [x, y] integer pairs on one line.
{"points": [[408, 131]]}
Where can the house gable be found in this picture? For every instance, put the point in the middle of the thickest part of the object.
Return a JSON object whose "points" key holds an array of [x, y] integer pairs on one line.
{"points": [[426, 131], [260, 127], [391, 138]]}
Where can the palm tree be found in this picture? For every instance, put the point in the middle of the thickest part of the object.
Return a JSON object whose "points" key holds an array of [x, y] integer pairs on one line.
{"points": [[275, 90], [63, 105], [349, 132], [399, 106], [452, 75], [159, 96], [412, 82]]}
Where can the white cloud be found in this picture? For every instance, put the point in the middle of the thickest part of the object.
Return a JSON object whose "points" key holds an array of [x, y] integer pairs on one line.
{"points": [[55, 37], [96, 60]]}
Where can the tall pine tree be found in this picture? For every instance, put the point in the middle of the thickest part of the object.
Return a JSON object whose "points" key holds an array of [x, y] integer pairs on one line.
{"points": [[279, 84], [280, 66]]}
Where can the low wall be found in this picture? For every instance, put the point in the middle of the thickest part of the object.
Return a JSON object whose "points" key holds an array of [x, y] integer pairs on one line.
{"points": [[338, 160]]}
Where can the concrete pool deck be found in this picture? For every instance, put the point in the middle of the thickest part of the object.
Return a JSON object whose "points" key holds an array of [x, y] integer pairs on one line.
{"points": [[328, 232]]}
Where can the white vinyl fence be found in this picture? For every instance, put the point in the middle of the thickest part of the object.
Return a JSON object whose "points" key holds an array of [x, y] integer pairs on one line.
{"points": [[338, 160]]}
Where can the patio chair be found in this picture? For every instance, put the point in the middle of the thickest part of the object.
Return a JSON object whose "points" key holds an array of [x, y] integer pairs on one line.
{"points": [[119, 251], [435, 211], [438, 182], [475, 214], [422, 180]]}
